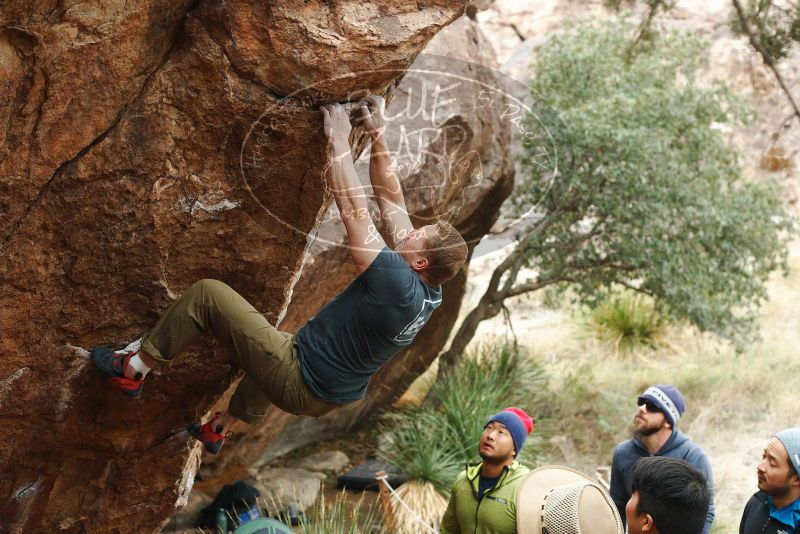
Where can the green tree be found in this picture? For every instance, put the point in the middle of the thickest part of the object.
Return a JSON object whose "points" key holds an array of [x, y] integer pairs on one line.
{"points": [[653, 199], [774, 25], [771, 27]]}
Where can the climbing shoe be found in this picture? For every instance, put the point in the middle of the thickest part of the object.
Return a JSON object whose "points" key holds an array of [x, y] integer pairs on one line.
{"points": [[212, 441], [113, 364]]}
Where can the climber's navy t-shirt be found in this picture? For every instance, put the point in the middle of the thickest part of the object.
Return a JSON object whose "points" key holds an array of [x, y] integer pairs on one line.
{"points": [[358, 331]]}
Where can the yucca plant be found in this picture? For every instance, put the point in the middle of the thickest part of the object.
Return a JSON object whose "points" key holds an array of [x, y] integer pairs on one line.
{"points": [[490, 377], [434, 441], [416, 447], [428, 506], [337, 517], [628, 322]]}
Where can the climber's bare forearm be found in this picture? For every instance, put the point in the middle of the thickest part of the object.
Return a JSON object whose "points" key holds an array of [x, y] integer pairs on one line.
{"points": [[344, 183], [385, 184], [388, 192], [364, 240]]}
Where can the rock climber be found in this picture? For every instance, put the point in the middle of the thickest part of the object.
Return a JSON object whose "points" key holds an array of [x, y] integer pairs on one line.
{"points": [[330, 360]]}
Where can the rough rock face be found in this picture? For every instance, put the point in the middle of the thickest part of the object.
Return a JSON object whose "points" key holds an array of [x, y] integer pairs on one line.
{"points": [[332, 461], [146, 145], [283, 487], [461, 171]]}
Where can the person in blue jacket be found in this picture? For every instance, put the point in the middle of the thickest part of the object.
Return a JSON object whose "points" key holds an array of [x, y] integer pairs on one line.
{"points": [[654, 434], [775, 508]]}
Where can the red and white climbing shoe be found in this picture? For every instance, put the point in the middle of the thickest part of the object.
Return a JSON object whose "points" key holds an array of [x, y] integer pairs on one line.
{"points": [[211, 439], [113, 364]]}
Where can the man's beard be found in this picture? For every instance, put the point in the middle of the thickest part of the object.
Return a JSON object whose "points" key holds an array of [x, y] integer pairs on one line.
{"points": [[780, 491], [639, 433]]}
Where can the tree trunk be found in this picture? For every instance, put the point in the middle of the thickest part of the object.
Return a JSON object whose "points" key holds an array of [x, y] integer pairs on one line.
{"points": [[490, 305]]}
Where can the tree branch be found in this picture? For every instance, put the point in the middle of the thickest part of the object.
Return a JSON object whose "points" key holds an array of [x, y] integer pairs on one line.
{"points": [[512, 276], [507, 316], [528, 287], [644, 26], [632, 287], [515, 259], [497, 274], [764, 55]]}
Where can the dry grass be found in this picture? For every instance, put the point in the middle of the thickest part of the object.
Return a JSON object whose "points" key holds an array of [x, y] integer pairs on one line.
{"points": [[734, 402], [342, 515], [427, 504]]}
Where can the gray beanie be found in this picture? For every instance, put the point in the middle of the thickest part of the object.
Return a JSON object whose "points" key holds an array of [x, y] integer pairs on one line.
{"points": [[791, 440]]}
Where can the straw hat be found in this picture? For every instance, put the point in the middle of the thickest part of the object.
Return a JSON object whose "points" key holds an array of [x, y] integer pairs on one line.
{"points": [[559, 500]]}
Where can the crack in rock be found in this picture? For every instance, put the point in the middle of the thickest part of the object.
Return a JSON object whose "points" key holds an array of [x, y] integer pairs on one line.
{"points": [[97, 140]]}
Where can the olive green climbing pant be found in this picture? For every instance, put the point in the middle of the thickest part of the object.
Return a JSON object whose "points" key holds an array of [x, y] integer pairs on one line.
{"points": [[267, 356]]}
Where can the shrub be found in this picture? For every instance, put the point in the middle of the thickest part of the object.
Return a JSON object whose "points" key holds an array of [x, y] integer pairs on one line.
{"points": [[434, 442], [427, 504], [628, 322], [337, 517]]}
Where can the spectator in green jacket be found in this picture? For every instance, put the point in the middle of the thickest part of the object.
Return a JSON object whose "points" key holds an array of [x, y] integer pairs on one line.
{"points": [[483, 500]]}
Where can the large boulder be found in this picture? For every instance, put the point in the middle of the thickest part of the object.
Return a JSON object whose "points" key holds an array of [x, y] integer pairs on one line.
{"points": [[146, 145], [450, 142], [283, 487], [332, 461]]}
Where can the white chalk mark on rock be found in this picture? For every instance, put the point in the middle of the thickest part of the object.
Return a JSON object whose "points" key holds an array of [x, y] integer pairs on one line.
{"points": [[76, 366], [7, 382], [200, 204], [23, 496], [24, 490], [187, 477], [163, 281], [80, 351]]}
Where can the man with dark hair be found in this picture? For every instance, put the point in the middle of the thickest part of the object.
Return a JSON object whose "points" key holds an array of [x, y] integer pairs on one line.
{"points": [[775, 508], [654, 434], [669, 497], [484, 496], [331, 359]]}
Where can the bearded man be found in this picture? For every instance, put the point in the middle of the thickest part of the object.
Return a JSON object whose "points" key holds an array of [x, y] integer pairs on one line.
{"points": [[654, 434]]}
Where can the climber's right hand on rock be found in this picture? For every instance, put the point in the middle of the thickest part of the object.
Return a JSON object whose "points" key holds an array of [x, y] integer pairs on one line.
{"points": [[373, 121], [336, 124]]}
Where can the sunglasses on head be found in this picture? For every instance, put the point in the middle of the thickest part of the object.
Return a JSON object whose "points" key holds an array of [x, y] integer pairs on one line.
{"points": [[650, 406]]}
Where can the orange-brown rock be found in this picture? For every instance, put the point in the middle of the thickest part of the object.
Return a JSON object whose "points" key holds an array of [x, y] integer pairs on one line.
{"points": [[451, 147], [145, 145]]}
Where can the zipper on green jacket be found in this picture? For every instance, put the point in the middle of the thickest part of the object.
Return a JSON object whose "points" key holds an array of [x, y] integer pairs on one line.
{"points": [[474, 493]]}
